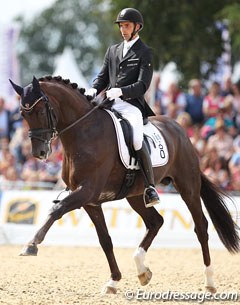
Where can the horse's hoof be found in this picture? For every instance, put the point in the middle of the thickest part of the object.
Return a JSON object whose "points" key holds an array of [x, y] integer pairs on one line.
{"points": [[29, 250], [145, 277], [108, 290], [211, 289]]}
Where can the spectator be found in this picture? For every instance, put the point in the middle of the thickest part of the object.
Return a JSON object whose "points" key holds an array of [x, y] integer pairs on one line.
{"points": [[236, 143], [184, 119], [221, 140], [158, 94], [224, 113], [7, 160], [173, 96], [194, 101], [227, 86], [236, 104], [218, 173], [234, 166], [5, 124], [20, 139], [213, 101], [52, 170], [209, 158], [198, 142], [31, 169]]}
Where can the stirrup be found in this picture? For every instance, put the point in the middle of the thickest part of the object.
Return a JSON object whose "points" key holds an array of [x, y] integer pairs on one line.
{"points": [[149, 202]]}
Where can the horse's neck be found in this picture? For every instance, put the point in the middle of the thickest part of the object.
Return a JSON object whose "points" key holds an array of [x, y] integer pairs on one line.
{"points": [[69, 104]]}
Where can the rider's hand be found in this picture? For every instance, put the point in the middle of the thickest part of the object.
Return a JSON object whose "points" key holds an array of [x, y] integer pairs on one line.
{"points": [[113, 93], [91, 92]]}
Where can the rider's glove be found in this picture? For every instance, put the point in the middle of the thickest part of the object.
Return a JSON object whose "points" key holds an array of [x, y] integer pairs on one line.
{"points": [[113, 93], [91, 92]]}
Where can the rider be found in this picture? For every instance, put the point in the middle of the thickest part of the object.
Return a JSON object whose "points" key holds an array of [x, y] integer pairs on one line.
{"points": [[126, 74]]}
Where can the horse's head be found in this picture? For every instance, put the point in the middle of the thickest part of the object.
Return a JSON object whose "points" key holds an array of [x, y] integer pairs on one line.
{"points": [[38, 112]]}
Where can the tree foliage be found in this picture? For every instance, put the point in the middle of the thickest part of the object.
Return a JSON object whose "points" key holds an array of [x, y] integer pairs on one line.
{"points": [[231, 14], [182, 31], [81, 25]]}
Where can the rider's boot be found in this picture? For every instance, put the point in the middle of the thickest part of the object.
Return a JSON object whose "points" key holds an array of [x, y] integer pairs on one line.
{"points": [[150, 193]]}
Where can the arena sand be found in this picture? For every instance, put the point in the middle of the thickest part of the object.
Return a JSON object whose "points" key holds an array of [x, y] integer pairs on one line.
{"points": [[76, 275]]}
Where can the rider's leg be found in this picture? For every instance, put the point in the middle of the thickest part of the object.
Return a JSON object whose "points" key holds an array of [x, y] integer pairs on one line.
{"points": [[134, 116], [146, 167]]}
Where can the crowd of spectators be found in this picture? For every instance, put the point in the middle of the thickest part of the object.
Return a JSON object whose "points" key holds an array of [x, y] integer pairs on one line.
{"points": [[211, 118], [18, 168]]}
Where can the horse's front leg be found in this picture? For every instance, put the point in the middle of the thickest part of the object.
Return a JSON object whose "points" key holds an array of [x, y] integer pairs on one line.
{"points": [[71, 202], [97, 217]]}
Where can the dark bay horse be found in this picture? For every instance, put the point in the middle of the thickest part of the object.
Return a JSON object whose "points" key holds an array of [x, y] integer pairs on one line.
{"points": [[93, 171]]}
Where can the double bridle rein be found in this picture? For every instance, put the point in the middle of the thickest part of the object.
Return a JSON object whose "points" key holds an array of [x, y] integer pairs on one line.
{"points": [[37, 133]]}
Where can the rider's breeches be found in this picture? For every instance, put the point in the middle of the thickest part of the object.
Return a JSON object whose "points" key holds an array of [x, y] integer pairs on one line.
{"points": [[134, 116]]}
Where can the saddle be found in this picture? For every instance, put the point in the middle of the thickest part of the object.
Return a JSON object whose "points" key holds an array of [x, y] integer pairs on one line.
{"points": [[154, 141]]}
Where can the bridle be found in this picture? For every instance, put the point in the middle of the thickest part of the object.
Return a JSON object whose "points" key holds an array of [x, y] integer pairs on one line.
{"points": [[50, 132], [38, 133]]}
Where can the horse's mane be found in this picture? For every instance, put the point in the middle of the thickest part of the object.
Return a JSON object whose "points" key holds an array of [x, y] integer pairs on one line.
{"points": [[67, 82]]}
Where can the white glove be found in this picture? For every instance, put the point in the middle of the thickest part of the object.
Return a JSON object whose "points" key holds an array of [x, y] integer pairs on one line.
{"points": [[92, 92], [113, 93]]}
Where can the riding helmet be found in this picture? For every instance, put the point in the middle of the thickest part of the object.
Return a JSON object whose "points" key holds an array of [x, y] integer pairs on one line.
{"points": [[130, 14]]}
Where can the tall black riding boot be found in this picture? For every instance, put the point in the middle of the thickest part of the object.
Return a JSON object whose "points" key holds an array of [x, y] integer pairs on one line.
{"points": [[150, 193]]}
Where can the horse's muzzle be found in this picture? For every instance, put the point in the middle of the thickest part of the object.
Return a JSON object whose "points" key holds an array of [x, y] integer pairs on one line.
{"points": [[41, 150]]}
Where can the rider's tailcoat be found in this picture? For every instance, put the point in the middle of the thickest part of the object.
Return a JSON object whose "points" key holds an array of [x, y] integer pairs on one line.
{"points": [[132, 73]]}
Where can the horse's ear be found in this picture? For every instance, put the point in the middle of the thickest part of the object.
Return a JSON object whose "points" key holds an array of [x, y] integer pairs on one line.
{"points": [[36, 84], [17, 88]]}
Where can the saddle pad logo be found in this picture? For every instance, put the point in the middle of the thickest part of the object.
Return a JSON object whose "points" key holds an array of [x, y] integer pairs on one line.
{"points": [[159, 152]]}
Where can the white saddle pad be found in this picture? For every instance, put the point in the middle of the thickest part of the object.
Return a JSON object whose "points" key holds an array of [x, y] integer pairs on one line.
{"points": [[159, 151]]}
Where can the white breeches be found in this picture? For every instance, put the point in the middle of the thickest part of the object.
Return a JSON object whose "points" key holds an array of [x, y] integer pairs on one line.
{"points": [[134, 116]]}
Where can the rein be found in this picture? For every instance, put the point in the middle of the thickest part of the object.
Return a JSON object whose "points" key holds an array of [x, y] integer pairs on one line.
{"points": [[77, 121]]}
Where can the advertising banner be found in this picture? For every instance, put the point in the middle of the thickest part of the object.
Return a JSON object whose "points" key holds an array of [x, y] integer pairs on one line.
{"points": [[23, 212]]}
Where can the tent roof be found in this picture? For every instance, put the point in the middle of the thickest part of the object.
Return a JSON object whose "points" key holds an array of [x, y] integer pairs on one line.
{"points": [[66, 66]]}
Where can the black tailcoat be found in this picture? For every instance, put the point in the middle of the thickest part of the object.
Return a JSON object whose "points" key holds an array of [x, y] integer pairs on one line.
{"points": [[132, 73]]}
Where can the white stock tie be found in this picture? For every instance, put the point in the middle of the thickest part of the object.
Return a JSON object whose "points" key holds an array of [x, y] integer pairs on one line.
{"points": [[125, 49]]}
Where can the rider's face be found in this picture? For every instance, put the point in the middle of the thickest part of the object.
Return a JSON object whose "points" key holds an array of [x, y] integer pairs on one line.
{"points": [[126, 29]]}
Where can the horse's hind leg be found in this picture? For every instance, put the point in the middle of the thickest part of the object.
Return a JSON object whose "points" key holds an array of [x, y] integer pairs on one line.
{"points": [[153, 221], [97, 217], [190, 193]]}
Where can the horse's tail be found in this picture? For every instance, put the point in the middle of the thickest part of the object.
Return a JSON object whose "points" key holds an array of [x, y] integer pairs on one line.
{"points": [[213, 198]]}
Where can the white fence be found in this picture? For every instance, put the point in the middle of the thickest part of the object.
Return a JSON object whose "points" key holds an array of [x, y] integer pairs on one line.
{"points": [[22, 213]]}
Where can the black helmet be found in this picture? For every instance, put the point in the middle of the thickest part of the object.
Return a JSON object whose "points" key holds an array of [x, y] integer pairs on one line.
{"points": [[130, 14]]}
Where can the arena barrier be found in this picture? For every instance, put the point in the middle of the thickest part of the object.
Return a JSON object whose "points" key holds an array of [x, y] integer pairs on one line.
{"points": [[22, 213]]}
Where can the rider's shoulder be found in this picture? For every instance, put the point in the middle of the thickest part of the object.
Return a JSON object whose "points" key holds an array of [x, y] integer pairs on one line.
{"points": [[115, 46]]}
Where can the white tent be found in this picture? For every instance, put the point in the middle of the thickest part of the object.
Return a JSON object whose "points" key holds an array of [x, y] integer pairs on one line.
{"points": [[66, 66], [236, 72]]}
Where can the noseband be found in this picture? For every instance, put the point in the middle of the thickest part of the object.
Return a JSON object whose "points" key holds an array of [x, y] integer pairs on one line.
{"points": [[38, 133]]}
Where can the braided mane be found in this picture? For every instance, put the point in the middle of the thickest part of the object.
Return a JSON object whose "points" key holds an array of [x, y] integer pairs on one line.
{"points": [[63, 81]]}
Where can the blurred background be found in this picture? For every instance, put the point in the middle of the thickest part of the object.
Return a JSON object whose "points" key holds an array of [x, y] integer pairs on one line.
{"points": [[200, 38], [196, 81]]}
